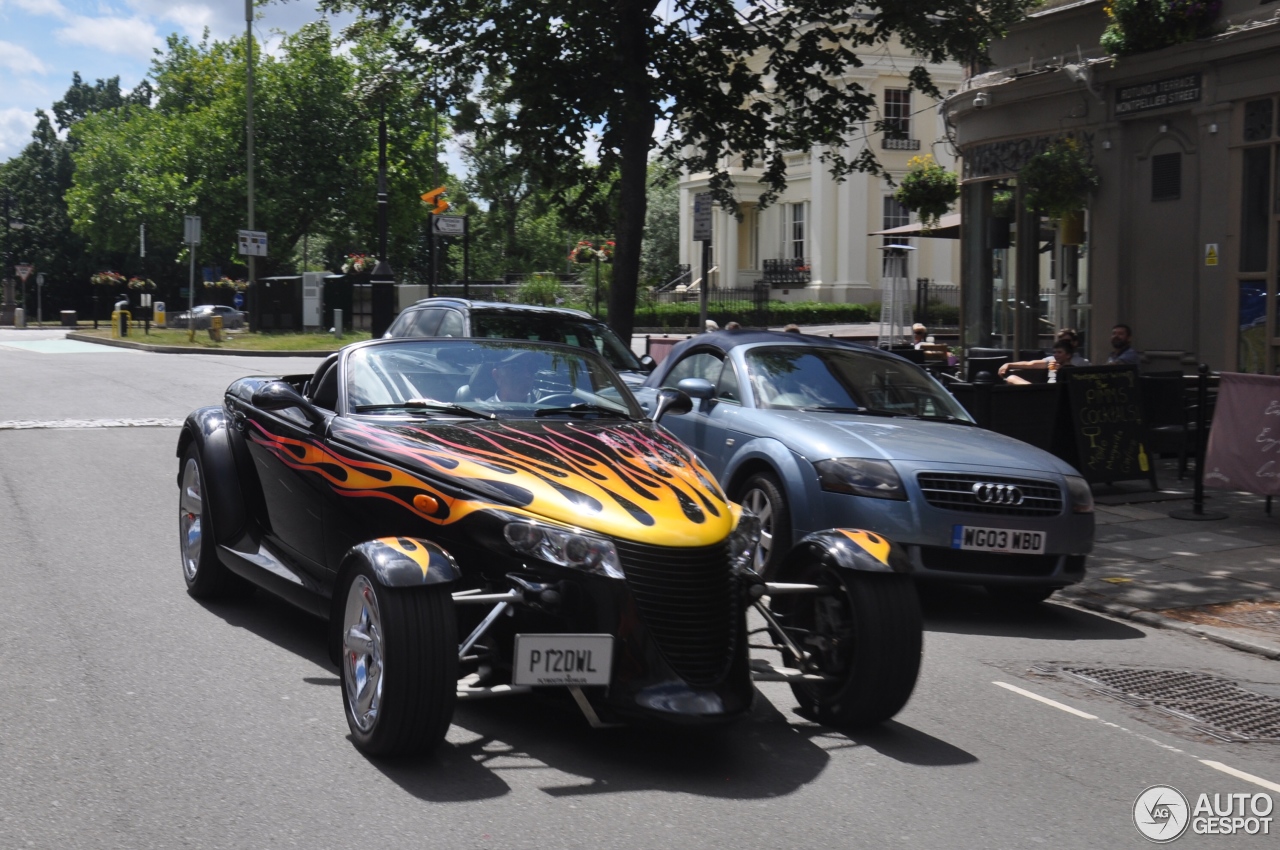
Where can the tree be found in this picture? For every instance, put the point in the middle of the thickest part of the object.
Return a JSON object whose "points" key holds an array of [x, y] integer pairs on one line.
{"points": [[735, 82]]}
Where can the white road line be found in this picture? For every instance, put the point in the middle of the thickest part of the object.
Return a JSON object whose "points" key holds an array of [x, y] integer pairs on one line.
{"points": [[30, 424], [1240, 774], [1068, 709]]}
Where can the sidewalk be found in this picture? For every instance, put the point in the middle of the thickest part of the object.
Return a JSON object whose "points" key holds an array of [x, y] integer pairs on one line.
{"points": [[1217, 579]]}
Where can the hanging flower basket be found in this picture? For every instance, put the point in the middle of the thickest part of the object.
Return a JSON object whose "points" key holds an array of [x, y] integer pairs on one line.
{"points": [[107, 279], [583, 252], [359, 264], [928, 190], [1059, 179], [227, 283], [606, 251], [142, 283]]}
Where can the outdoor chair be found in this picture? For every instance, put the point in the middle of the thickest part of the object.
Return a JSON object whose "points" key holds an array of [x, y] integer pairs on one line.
{"points": [[1169, 417]]}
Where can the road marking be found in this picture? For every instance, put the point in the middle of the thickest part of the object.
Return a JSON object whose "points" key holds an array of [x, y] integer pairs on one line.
{"points": [[1068, 709], [1240, 774], [29, 424]]}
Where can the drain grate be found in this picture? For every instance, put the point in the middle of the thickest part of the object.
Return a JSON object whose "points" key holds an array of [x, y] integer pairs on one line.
{"points": [[1220, 705]]}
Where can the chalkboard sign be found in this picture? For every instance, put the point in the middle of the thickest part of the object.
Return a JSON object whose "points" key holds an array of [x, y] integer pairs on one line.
{"points": [[1106, 423], [1244, 440]]}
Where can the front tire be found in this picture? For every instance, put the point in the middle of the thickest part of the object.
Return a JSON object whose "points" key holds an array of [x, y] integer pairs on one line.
{"points": [[866, 633], [399, 665], [206, 576], [762, 495]]}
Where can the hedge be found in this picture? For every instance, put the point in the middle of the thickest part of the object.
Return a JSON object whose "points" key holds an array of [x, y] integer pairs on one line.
{"points": [[777, 313]]}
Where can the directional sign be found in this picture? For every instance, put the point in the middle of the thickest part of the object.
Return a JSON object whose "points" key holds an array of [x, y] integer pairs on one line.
{"points": [[451, 225], [191, 229], [23, 270], [436, 198], [253, 243], [702, 217]]}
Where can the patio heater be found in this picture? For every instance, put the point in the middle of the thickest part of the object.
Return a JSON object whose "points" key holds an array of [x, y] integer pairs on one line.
{"points": [[895, 297]]}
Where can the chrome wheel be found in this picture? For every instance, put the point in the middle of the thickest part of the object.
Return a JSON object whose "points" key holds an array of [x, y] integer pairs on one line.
{"points": [[757, 501], [362, 642], [190, 511]]}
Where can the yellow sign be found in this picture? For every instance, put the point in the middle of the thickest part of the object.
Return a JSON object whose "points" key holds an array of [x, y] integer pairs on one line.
{"points": [[436, 198], [1211, 254]]}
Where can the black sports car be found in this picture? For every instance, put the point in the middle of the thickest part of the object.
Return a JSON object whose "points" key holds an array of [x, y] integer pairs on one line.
{"points": [[486, 517]]}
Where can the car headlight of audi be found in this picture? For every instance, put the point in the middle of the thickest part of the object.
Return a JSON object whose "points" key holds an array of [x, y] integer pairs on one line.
{"points": [[876, 479], [744, 540], [564, 547], [1081, 495]]}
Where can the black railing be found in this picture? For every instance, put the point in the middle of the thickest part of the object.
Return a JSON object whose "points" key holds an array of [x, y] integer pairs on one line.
{"points": [[899, 144], [789, 271], [681, 275]]}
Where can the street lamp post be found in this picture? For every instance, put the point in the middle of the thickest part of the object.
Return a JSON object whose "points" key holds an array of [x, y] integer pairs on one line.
{"points": [[382, 279]]}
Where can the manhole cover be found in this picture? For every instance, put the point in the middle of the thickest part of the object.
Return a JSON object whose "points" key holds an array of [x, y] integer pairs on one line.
{"points": [[1221, 706]]}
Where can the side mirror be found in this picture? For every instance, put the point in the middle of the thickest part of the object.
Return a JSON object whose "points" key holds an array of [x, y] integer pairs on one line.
{"points": [[671, 401], [699, 388], [279, 395], [647, 363]]}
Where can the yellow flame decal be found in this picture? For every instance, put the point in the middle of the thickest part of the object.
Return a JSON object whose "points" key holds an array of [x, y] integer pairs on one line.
{"points": [[873, 544], [417, 554]]}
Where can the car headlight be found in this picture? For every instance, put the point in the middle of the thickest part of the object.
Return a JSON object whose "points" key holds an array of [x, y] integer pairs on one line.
{"points": [[861, 477], [1081, 495], [745, 538], [566, 548]]}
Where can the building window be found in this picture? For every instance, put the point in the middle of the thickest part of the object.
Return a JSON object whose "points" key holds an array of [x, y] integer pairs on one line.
{"points": [[1259, 120], [1166, 177], [895, 215], [897, 121], [796, 224], [1254, 207]]}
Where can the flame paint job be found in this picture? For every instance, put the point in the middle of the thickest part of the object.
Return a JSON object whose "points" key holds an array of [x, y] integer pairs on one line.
{"points": [[628, 481], [873, 544]]}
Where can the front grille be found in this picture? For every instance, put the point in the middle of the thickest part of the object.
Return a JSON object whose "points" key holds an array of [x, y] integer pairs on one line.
{"points": [[955, 492], [986, 563], [685, 597]]}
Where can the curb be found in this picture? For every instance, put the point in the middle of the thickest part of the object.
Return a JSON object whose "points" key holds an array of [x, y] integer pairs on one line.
{"points": [[1151, 618], [177, 349]]}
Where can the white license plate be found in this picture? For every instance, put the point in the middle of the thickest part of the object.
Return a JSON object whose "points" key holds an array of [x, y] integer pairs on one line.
{"points": [[997, 540], [563, 659]]}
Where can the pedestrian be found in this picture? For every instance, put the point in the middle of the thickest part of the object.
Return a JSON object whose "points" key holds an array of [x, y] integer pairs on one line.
{"points": [[712, 325], [921, 334], [1122, 351], [732, 326], [792, 328], [1064, 354]]}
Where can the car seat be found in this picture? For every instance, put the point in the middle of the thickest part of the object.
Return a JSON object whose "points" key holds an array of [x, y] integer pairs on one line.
{"points": [[481, 386], [322, 389]]}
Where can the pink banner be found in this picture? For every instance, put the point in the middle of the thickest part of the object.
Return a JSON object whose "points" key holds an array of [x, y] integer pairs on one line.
{"points": [[1244, 442]]}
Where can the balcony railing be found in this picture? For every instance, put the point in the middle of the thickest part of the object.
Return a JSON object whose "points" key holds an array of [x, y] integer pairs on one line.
{"points": [[899, 144], [789, 271]]}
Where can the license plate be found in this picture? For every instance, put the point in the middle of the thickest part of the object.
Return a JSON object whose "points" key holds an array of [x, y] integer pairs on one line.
{"points": [[997, 540], [563, 659]]}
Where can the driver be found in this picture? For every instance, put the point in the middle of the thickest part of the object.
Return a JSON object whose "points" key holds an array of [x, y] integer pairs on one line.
{"points": [[514, 377]]}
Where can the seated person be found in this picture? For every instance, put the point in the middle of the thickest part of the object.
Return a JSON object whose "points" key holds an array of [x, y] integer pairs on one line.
{"points": [[515, 377], [1064, 354]]}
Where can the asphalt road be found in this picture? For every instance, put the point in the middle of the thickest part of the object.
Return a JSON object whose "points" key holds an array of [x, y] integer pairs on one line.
{"points": [[132, 716]]}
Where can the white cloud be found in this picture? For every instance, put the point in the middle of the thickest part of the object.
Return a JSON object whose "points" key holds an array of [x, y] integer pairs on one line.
{"points": [[15, 131], [125, 36], [20, 60]]}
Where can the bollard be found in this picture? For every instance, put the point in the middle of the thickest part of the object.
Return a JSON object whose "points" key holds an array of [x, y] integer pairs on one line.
{"points": [[337, 324], [215, 328]]}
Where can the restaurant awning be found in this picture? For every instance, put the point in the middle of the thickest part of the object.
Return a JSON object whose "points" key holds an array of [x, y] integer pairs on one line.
{"points": [[948, 228]]}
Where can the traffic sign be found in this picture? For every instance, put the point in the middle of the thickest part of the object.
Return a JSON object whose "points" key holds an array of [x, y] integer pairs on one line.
{"points": [[702, 217], [451, 225], [23, 270], [191, 229], [436, 198], [253, 243]]}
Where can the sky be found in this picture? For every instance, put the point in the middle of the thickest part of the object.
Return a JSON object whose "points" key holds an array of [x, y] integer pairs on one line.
{"points": [[43, 42]]}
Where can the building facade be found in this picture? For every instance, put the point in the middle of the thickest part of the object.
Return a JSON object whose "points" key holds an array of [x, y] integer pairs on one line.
{"points": [[1182, 230], [817, 233]]}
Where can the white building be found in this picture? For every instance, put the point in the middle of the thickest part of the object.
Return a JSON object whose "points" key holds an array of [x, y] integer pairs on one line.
{"points": [[823, 224]]}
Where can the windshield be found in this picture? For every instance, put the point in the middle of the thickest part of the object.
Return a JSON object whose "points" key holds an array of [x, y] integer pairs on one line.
{"points": [[812, 378], [483, 378], [565, 328]]}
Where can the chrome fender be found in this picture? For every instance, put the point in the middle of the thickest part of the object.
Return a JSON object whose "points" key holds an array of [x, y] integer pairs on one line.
{"points": [[210, 431], [405, 561]]}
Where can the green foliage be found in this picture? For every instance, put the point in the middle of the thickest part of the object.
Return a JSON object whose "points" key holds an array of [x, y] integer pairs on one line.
{"points": [[544, 290], [660, 251], [1060, 178], [686, 315], [1002, 204], [928, 190], [1141, 25], [579, 76]]}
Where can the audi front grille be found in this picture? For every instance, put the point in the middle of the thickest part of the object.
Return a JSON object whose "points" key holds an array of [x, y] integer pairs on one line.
{"points": [[685, 597], [991, 494]]}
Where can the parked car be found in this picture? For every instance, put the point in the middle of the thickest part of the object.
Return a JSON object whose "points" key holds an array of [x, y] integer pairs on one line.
{"points": [[810, 432], [458, 317], [547, 537], [204, 313]]}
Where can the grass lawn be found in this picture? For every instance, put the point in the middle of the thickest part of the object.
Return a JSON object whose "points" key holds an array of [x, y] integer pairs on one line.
{"points": [[236, 340]]}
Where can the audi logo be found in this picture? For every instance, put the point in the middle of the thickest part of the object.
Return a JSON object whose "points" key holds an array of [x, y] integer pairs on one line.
{"points": [[997, 494]]}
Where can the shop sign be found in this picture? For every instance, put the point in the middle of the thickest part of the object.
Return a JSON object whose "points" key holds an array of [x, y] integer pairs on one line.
{"points": [[1006, 158], [1158, 94]]}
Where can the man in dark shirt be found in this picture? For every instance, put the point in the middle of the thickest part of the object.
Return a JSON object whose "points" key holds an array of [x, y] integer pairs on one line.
{"points": [[1121, 350]]}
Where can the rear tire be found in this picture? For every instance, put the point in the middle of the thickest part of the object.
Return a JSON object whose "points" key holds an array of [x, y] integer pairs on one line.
{"points": [[399, 665], [1020, 595], [206, 576], [762, 495], [868, 633]]}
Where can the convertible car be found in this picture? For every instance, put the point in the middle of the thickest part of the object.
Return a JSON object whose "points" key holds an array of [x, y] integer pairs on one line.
{"points": [[478, 518], [810, 432]]}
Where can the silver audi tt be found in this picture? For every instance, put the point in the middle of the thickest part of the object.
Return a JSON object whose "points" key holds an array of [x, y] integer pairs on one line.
{"points": [[814, 433]]}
